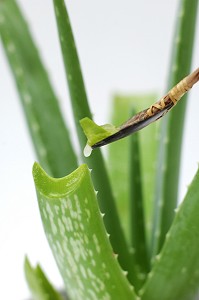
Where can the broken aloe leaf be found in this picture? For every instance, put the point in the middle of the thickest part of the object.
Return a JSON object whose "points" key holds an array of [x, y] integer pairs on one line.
{"points": [[76, 234], [96, 133]]}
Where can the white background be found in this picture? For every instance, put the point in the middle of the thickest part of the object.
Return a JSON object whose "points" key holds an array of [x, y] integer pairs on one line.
{"points": [[123, 46]]}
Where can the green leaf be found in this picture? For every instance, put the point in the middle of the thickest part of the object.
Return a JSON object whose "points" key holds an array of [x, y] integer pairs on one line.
{"points": [[172, 127], [72, 67], [138, 230], [95, 161], [75, 231], [96, 133], [175, 274], [119, 158], [39, 285], [49, 134]]}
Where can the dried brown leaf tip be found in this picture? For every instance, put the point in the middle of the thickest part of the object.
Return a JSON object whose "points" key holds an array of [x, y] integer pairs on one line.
{"points": [[154, 112]]}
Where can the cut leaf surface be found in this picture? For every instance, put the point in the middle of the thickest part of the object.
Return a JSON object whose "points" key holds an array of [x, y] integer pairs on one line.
{"points": [[38, 283], [96, 133], [77, 237], [175, 274]]}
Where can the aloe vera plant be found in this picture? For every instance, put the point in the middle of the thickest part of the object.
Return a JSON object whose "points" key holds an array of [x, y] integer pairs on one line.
{"points": [[113, 232]]}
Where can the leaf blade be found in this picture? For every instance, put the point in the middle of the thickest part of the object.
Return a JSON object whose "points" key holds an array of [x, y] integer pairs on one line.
{"points": [[95, 161], [176, 268], [49, 134], [119, 157], [38, 283], [172, 128], [77, 237], [137, 217]]}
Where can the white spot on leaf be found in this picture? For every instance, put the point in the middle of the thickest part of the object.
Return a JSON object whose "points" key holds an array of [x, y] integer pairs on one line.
{"points": [[11, 47]]}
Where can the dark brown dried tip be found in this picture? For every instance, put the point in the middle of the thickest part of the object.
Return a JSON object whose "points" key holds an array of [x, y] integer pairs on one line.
{"points": [[154, 112]]}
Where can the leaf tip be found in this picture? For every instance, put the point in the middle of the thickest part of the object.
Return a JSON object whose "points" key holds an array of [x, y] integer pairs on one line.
{"points": [[27, 264]]}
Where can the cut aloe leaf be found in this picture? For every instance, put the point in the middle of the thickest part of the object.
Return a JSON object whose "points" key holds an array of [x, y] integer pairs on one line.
{"points": [[38, 283], [171, 132], [46, 124], [175, 274], [96, 133], [76, 234]]}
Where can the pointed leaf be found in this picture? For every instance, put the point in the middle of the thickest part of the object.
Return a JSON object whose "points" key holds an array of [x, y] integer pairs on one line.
{"points": [[175, 274], [38, 283], [119, 156], [49, 134], [137, 218], [172, 127], [95, 161]]}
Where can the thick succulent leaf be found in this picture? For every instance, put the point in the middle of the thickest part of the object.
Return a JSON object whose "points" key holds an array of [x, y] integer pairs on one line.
{"points": [[75, 231], [49, 134], [72, 67], [119, 157], [38, 283], [96, 133], [137, 219], [175, 274], [172, 127], [95, 161]]}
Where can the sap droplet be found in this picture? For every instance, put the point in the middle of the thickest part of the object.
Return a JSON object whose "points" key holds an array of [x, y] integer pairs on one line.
{"points": [[87, 150]]}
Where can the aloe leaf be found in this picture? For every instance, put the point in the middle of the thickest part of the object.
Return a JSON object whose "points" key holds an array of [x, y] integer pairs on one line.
{"points": [[172, 127], [175, 274], [49, 134], [95, 161], [39, 285], [119, 157], [96, 133], [138, 230], [76, 234], [72, 66]]}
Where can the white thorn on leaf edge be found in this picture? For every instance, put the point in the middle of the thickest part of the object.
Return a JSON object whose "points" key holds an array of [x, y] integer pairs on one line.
{"points": [[125, 273]]}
